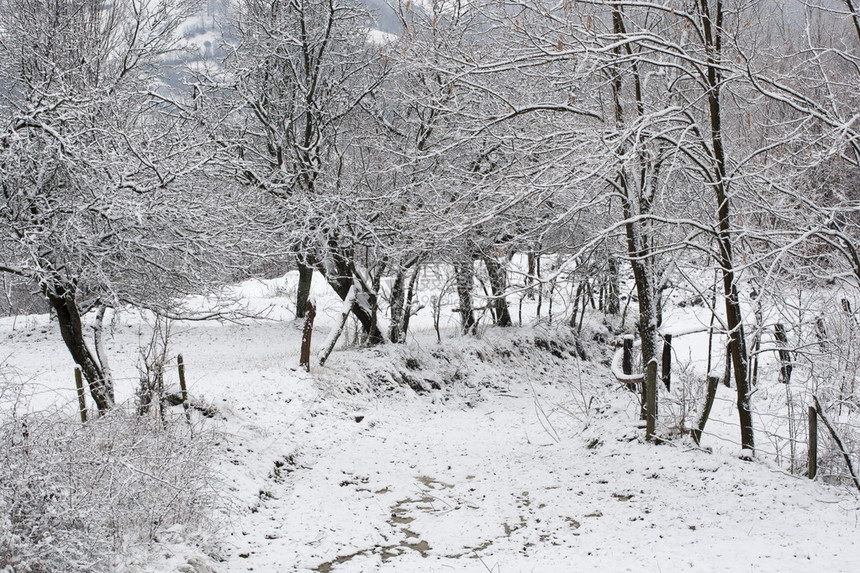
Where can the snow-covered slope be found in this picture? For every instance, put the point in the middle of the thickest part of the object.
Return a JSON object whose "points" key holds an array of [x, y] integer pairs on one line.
{"points": [[506, 453]]}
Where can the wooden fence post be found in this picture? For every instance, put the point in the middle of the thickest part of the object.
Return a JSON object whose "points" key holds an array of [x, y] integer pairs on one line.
{"points": [[627, 359], [82, 399], [812, 451], [180, 364], [307, 332], [784, 353], [627, 368], [667, 361], [651, 399]]}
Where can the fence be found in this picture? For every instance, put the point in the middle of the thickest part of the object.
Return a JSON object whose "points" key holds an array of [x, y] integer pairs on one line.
{"points": [[804, 425]]}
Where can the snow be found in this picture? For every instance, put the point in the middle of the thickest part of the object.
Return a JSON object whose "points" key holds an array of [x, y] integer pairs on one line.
{"points": [[617, 371], [509, 457], [380, 38]]}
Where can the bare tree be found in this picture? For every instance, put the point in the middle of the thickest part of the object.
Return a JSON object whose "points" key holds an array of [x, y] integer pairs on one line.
{"points": [[93, 156], [300, 70]]}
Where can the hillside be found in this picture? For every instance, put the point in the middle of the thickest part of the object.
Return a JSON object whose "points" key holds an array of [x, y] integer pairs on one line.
{"points": [[505, 452]]}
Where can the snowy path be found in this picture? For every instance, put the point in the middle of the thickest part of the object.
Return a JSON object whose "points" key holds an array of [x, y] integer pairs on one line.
{"points": [[417, 486]]}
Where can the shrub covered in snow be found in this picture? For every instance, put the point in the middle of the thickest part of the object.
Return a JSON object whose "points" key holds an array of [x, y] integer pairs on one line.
{"points": [[74, 497]]}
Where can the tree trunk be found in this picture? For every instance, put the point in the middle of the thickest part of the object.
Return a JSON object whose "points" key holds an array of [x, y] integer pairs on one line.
{"points": [[727, 370], [635, 204], [464, 273], [498, 285], [784, 353], [410, 297], [713, 382], [667, 362], [337, 271], [303, 291], [349, 304], [734, 321], [307, 333], [530, 275], [398, 295], [98, 340], [361, 308], [575, 313], [712, 28], [61, 297], [613, 302]]}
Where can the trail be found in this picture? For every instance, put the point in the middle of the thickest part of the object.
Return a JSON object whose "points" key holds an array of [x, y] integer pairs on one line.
{"points": [[510, 480]]}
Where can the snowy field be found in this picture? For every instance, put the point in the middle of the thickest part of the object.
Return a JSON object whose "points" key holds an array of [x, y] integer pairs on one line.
{"points": [[504, 453]]}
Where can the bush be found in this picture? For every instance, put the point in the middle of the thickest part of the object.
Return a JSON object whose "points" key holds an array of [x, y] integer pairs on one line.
{"points": [[79, 497]]}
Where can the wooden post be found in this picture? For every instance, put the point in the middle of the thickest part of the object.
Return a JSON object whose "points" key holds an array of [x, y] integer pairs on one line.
{"points": [[784, 353], [813, 443], [307, 332], [627, 359], [651, 399], [627, 368], [82, 399], [180, 364], [667, 361]]}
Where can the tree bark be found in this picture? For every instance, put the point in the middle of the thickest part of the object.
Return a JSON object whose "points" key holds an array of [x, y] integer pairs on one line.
{"points": [[303, 290], [784, 353], [498, 285], [667, 362], [635, 204], [98, 340], [464, 277], [530, 275], [338, 273], [713, 383], [613, 302], [307, 333], [410, 298], [61, 297], [398, 296]]}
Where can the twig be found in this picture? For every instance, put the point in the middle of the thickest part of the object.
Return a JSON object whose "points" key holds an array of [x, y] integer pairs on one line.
{"points": [[838, 441]]}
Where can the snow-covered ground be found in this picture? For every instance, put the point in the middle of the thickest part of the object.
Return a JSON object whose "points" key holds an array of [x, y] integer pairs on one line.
{"points": [[501, 454]]}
